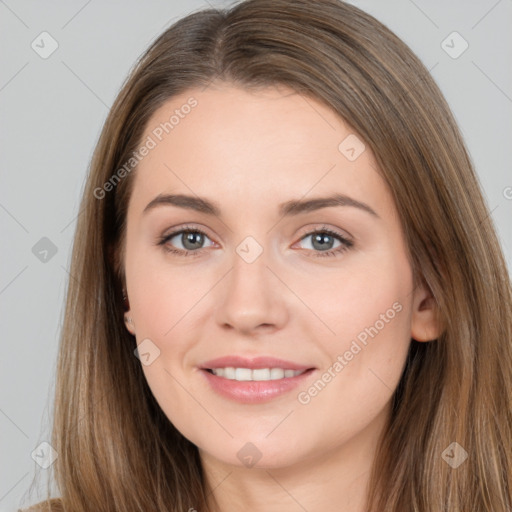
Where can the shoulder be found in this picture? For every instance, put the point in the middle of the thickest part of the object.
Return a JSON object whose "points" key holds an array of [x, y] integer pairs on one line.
{"points": [[53, 505]]}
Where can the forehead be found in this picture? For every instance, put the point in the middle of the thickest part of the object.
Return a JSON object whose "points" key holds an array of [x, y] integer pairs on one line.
{"points": [[254, 147]]}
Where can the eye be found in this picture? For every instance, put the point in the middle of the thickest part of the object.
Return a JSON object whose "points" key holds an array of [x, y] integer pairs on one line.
{"points": [[190, 238], [323, 239]]}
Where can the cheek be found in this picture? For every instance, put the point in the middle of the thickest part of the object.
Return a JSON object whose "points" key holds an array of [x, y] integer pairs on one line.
{"points": [[367, 289], [360, 381], [168, 308], [161, 293], [369, 308]]}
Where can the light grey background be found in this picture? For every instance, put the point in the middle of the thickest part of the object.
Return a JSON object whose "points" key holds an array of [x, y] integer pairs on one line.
{"points": [[52, 111]]}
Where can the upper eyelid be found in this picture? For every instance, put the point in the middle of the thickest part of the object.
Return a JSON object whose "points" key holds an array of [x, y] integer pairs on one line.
{"points": [[177, 231], [335, 231]]}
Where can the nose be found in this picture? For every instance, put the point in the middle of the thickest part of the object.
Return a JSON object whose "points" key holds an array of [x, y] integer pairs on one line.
{"points": [[252, 299]]}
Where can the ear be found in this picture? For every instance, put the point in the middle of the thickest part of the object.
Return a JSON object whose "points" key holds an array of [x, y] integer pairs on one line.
{"points": [[425, 322], [128, 322]]}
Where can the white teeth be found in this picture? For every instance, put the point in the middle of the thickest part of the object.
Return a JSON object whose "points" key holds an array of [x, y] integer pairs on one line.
{"points": [[276, 373], [243, 374], [229, 373], [260, 374]]}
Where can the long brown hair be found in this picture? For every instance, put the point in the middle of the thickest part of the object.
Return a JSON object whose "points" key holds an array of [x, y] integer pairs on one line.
{"points": [[116, 448]]}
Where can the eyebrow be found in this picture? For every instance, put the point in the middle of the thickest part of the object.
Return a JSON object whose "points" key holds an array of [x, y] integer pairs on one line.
{"points": [[287, 209]]}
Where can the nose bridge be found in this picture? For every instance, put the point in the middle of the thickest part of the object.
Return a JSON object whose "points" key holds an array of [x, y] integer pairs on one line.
{"points": [[251, 296], [250, 272]]}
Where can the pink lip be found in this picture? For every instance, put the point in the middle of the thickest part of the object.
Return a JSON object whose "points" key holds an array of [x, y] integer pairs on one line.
{"points": [[253, 392], [253, 363]]}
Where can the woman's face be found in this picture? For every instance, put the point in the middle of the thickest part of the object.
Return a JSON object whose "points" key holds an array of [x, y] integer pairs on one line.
{"points": [[260, 283]]}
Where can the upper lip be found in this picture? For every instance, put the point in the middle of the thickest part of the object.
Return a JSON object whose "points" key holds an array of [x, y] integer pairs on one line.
{"points": [[253, 363]]}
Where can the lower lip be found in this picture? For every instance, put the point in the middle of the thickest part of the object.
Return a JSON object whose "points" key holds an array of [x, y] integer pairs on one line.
{"points": [[254, 392]]}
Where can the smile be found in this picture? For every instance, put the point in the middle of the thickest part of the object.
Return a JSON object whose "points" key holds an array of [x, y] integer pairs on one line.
{"points": [[260, 374]]}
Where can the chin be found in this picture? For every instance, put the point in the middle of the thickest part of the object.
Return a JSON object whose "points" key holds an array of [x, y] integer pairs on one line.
{"points": [[256, 455]]}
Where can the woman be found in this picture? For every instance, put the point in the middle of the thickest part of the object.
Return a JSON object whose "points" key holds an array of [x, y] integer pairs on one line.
{"points": [[289, 290]]}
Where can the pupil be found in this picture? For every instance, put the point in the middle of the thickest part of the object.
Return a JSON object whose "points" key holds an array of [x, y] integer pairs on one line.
{"points": [[196, 238], [322, 239]]}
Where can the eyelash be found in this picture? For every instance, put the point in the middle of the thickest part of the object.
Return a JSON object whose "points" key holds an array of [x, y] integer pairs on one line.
{"points": [[345, 243]]}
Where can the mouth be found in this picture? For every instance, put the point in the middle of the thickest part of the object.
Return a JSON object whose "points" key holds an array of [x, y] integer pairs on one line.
{"points": [[259, 381]]}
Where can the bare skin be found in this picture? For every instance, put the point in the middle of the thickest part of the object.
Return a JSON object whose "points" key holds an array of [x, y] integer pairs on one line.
{"points": [[249, 152]]}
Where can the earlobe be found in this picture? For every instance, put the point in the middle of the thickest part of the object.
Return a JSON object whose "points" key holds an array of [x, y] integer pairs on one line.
{"points": [[128, 320], [425, 323]]}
